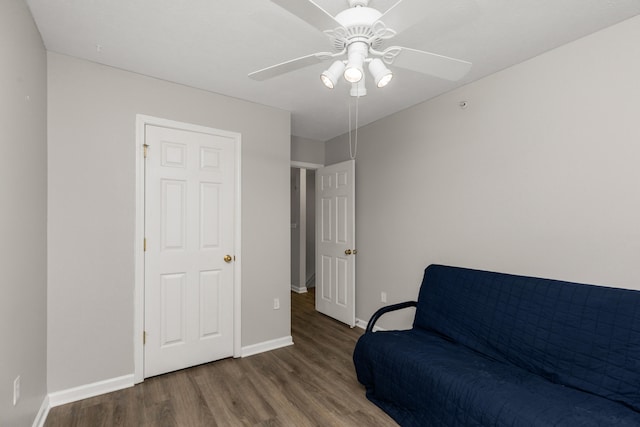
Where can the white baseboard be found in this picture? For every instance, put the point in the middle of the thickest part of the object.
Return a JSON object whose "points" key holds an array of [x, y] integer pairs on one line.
{"points": [[299, 289], [42, 413], [250, 350], [90, 390], [311, 280], [362, 324]]}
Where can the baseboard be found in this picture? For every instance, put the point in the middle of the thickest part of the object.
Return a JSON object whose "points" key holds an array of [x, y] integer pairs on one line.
{"points": [[362, 324], [299, 289], [90, 390], [311, 280], [250, 350], [42, 413]]}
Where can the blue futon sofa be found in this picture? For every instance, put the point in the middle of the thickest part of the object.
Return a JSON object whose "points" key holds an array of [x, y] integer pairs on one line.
{"points": [[494, 349]]}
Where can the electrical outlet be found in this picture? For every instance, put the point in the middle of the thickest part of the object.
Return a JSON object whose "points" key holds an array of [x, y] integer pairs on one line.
{"points": [[16, 390], [276, 303], [383, 297]]}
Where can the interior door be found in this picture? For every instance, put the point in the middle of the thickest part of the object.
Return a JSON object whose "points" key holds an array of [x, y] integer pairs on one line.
{"points": [[335, 239], [189, 226]]}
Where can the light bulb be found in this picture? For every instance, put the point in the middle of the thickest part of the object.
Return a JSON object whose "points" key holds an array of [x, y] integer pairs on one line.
{"points": [[381, 74], [357, 52], [327, 81], [353, 74], [330, 77]]}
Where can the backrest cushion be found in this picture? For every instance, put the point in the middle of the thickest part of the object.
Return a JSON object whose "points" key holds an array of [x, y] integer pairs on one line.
{"points": [[583, 336]]}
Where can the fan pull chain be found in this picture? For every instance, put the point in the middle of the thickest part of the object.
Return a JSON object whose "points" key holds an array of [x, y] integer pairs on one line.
{"points": [[353, 152], [349, 108]]}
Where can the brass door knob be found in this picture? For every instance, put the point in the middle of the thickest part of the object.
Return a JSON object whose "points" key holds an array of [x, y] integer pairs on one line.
{"points": [[227, 258], [355, 251], [347, 252]]}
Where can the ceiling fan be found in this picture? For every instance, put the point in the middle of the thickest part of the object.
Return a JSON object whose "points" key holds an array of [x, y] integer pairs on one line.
{"points": [[357, 34]]}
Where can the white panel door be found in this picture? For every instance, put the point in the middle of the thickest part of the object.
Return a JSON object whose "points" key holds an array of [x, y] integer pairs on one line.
{"points": [[335, 240], [189, 226]]}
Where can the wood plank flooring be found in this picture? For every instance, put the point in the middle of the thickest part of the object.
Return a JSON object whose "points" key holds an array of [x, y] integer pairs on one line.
{"points": [[311, 383]]}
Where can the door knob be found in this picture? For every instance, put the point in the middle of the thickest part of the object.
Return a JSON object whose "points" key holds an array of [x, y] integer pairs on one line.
{"points": [[347, 252], [227, 258]]}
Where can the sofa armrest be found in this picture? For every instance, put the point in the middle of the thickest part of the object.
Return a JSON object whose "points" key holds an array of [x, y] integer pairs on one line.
{"points": [[387, 309]]}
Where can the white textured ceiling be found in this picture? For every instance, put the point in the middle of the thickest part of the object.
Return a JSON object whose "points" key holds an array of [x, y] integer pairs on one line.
{"points": [[214, 44]]}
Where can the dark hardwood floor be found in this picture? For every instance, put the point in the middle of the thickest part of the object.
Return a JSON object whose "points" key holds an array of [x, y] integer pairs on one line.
{"points": [[311, 383]]}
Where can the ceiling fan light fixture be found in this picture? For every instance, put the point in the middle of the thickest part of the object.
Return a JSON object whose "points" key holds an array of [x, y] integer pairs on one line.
{"points": [[380, 73], [358, 89], [331, 76], [353, 74], [357, 52]]}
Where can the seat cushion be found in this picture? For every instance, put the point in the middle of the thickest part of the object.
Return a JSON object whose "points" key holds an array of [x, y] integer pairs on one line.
{"points": [[422, 379], [583, 336]]}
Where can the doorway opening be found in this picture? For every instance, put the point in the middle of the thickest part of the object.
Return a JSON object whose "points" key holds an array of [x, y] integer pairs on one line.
{"points": [[334, 233], [303, 216]]}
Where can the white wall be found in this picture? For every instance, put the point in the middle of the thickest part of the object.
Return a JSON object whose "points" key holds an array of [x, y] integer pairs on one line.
{"points": [[23, 214], [539, 175], [307, 150], [92, 113]]}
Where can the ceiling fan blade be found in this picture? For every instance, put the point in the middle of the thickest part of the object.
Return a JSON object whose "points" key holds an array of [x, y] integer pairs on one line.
{"points": [[405, 13], [310, 12], [291, 65], [428, 63]]}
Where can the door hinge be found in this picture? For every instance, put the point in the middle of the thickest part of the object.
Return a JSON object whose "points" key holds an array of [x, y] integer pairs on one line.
{"points": [[146, 147], [144, 337], [144, 245]]}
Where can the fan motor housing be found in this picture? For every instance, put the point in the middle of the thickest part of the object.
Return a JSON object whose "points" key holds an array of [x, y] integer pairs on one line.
{"points": [[358, 16], [358, 22]]}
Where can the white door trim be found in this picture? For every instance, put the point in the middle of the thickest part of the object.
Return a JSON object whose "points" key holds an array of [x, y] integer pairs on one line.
{"points": [[138, 308], [305, 165]]}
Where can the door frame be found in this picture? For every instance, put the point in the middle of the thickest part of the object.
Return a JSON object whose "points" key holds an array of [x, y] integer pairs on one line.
{"points": [[138, 298]]}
